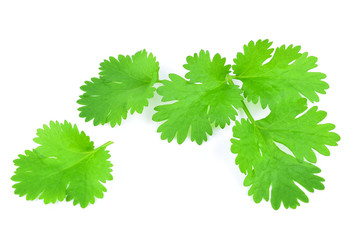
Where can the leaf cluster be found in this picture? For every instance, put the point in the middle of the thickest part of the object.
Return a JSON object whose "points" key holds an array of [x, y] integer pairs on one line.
{"points": [[278, 153]]}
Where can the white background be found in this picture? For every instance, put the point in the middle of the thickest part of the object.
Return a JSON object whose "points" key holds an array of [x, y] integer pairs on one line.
{"points": [[161, 190]]}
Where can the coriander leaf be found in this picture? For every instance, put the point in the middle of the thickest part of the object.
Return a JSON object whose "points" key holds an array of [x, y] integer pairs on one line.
{"points": [[303, 134], [205, 98], [258, 155], [65, 165], [280, 171], [245, 145], [287, 74], [125, 84]]}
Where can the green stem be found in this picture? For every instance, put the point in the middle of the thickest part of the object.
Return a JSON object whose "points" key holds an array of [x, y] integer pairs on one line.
{"points": [[160, 81], [228, 79], [247, 112], [256, 128], [106, 144], [64, 168]]}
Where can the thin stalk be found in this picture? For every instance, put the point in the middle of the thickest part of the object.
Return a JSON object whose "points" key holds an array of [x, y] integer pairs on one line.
{"points": [[229, 80], [247, 112], [106, 144], [159, 81]]}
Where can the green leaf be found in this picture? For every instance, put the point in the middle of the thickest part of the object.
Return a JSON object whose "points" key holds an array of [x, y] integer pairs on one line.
{"points": [[302, 134], [65, 165], [125, 84], [269, 166], [245, 145], [280, 172], [286, 75], [206, 98]]}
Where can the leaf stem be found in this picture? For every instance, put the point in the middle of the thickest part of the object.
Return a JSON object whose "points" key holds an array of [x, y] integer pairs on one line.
{"points": [[106, 144], [247, 112], [160, 81], [228, 79]]}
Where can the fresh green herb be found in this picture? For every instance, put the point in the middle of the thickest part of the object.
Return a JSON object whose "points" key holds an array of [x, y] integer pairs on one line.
{"points": [[276, 153], [286, 75], [266, 165], [207, 97], [65, 165], [280, 84], [125, 84]]}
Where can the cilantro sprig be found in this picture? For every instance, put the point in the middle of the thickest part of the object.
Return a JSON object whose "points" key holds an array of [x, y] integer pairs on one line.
{"points": [[284, 83], [66, 165], [278, 153], [282, 79]]}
